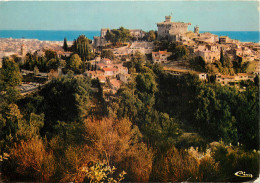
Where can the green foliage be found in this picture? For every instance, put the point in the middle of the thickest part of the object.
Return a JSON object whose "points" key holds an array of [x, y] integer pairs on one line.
{"points": [[82, 47], [160, 131], [151, 36], [137, 130], [43, 63], [214, 111], [65, 45], [71, 133], [107, 54], [247, 115], [10, 75], [52, 64], [10, 119], [120, 35], [180, 52], [32, 128], [145, 83], [213, 114], [234, 159], [50, 54], [75, 63], [137, 102], [198, 63], [65, 99], [102, 172], [163, 45], [256, 80], [224, 65]]}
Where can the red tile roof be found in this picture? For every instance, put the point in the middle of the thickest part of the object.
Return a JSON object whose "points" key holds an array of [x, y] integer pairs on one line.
{"points": [[110, 69]]}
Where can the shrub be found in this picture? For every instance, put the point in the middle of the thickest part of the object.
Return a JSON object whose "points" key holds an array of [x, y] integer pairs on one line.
{"points": [[33, 160]]}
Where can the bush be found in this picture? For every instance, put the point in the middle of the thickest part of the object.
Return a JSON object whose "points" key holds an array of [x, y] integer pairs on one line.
{"points": [[33, 160]]}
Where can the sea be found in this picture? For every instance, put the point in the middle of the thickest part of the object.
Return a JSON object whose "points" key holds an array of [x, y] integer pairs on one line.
{"points": [[51, 35]]}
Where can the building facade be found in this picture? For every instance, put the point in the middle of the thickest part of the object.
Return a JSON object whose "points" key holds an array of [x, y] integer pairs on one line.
{"points": [[171, 30], [160, 57]]}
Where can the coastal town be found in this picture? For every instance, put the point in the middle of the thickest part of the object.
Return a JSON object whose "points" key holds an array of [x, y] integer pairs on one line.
{"points": [[170, 103], [112, 73]]}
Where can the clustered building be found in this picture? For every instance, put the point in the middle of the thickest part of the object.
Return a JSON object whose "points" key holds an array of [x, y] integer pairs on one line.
{"points": [[20, 47], [109, 72], [160, 57]]}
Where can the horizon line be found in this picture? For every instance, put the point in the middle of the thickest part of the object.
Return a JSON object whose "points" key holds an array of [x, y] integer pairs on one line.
{"points": [[126, 28]]}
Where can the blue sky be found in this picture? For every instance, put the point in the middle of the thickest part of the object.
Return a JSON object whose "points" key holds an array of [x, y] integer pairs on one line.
{"points": [[94, 15]]}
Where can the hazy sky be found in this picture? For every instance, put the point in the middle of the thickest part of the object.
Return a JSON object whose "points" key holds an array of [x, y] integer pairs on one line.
{"points": [[94, 15]]}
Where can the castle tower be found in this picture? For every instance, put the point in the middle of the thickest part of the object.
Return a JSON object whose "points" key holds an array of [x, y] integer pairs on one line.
{"points": [[168, 19], [196, 29], [170, 30]]}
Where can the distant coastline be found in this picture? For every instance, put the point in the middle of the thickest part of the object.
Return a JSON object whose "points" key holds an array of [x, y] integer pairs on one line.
{"points": [[47, 35], [58, 35], [243, 36]]}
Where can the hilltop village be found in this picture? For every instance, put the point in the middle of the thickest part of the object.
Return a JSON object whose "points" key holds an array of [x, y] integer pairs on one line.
{"points": [[169, 105], [172, 46]]}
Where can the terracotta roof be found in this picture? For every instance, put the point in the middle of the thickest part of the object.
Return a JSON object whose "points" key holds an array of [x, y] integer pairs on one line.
{"points": [[110, 69], [101, 77], [162, 52], [115, 82], [101, 65], [227, 77], [244, 74]]}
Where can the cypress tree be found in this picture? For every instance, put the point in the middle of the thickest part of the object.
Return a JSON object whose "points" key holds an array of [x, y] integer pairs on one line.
{"points": [[65, 45], [221, 57]]}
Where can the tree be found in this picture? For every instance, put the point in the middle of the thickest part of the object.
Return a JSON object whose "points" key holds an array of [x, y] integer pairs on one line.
{"points": [[180, 52], [110, 36], [138, 58], [145, 83], [247, 115], [120, 35], [10, 75], [82, 47], [221, 56], [75, 62], [52, 64], [151, 35], [65, 99], [31, 129], [33, 160], [118, 142], [65, 45], [107, 54], [256, 80], [198, 63], [62, 63], [124, 35], [50, 54]]}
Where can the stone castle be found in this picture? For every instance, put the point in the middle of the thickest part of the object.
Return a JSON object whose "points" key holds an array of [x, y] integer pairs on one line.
{"points": [[171, 30]]}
